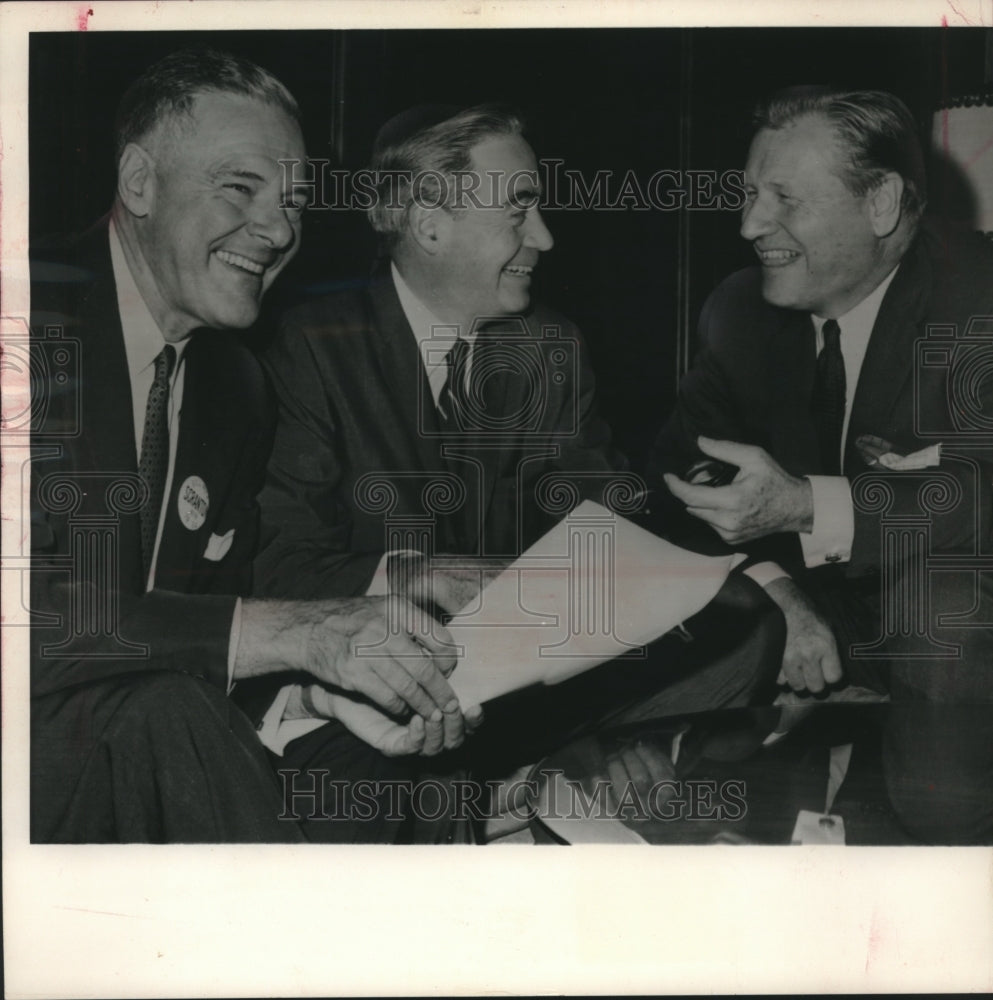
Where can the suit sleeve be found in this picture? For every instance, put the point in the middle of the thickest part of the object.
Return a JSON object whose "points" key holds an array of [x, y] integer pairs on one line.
{"points": [[92, 621], [306, 527], [144, 637], [706, 405]]}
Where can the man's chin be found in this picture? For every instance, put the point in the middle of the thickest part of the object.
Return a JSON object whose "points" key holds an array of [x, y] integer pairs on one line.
{"points": [[780, 293]]}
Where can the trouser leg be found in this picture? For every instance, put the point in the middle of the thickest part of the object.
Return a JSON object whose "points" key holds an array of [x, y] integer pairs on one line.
{"points": [[158, 757]]}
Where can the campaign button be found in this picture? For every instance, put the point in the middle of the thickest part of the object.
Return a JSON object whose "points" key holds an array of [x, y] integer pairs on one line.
{"points": [[193, 501]]}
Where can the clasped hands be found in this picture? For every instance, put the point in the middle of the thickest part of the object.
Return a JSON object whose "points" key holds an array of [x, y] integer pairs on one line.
{"points": [[396, 697]]}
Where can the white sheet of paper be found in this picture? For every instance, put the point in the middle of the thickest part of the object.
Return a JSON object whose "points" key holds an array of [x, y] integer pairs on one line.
{"points": [[595, 586]]}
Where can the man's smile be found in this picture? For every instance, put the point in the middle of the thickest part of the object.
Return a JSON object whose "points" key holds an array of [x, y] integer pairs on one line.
{"points": [[240, 262], [776, 257]]}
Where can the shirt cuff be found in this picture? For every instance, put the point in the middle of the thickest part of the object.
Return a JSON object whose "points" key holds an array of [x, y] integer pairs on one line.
{"points": [[379, 586], [764, 573], [233, 641], [831, 539], [274, 732]]}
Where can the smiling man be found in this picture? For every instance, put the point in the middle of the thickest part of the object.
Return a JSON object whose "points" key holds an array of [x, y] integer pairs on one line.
{"points": [[812, 372], [147, 458], [437, 385]]}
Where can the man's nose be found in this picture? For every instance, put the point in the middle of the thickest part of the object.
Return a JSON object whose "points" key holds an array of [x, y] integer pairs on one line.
{"points": [[536, 233], [756, 219], [271, 224]]}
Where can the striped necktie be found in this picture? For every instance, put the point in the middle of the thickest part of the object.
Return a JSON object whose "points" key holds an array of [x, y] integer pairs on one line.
{"points": [[154, 463], [453, 402]]}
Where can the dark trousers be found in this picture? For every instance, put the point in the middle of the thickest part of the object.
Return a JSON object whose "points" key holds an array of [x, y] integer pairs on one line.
{"points": [[166, 757], [151, 757], [938, 740], [726, 656]]}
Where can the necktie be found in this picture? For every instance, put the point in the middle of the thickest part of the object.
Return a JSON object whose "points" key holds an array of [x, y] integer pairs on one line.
{"points": [[453, 401], [829, 399], [154, 463]]}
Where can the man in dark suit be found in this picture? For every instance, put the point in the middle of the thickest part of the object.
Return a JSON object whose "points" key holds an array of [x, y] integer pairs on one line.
{"points": [[436, 409], [843, 381], [147, 456]]}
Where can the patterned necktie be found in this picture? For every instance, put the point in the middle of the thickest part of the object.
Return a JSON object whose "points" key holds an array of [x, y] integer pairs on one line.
{"points": [[453, 402], [154, 463], [829, 399]]}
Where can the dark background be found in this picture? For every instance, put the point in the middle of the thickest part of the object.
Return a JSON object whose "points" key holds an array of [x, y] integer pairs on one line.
{"points": [[599, 99]]}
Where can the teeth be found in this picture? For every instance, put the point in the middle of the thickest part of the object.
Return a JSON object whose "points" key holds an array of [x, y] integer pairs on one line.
{"points": [[238, 261], [774, 255], [518, 269]]}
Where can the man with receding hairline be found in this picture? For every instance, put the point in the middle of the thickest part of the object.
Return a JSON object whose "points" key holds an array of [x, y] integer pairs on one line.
{"points": [[808, 377], [144, 523]]}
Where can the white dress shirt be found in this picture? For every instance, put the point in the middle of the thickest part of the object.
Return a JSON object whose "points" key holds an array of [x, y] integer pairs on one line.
{"points": [[143, 342], [431, 335], [833, 531]]}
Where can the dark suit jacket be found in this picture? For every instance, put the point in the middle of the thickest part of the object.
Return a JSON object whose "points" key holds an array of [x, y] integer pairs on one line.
{"points": [[354, 402], [83, 440], [753, 378]]}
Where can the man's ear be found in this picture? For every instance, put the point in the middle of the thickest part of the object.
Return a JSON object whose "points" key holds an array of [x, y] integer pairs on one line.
{"points": [[885, 204], [136, 180], [429, 227]]}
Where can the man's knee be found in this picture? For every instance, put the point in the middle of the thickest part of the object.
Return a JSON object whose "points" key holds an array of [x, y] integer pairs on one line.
{"points": [[169, 705], [938, 762]]}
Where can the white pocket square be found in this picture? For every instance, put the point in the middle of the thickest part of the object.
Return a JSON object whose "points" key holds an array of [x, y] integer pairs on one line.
{"points": [[876, 451], [218, 545]]}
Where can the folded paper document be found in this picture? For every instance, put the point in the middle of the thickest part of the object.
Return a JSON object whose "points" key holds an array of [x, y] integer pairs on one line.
{"points": [[594, 587]]}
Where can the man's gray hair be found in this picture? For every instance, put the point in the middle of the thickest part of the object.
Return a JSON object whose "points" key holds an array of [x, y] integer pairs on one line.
{"points": [[170, 86], [422, 162], [876, 131]]}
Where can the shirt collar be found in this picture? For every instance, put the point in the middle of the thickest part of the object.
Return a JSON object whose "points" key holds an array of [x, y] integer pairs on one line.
{"points": [[424, 323], [863, 316], [143, 339]]}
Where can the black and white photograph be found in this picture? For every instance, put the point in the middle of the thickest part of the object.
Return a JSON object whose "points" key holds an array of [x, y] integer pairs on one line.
{"points": [[544, 469]]}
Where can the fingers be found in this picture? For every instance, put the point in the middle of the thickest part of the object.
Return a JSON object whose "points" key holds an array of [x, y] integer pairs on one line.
{"points": [[401, 741], [473, 716], [831, 666], [702, 497], [430, 634], [434, 734], [453, 725], [732, 452]]}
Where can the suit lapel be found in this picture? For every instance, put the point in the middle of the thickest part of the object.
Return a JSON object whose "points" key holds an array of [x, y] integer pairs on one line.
{"points": [[107, 445], [792, 366], [403, 373], [889, 360]]}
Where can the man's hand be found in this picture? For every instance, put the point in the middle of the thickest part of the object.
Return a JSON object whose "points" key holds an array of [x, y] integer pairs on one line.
{"points": [[810, 659], [762, 500], [384, 649], [446, 583], [391, 738]]}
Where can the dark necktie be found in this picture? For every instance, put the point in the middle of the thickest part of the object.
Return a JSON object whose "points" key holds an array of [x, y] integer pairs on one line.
{"points": [[154, 463], [829, 399], [453, 401]]}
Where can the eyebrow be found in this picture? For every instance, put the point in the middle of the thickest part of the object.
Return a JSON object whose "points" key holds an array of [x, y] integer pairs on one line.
{"points": [[246, 174], [526, 197]]}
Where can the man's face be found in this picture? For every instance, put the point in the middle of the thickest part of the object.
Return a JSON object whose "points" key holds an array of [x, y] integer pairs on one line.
{"points": [[814, 238], [215, 236], [490, 248]]}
